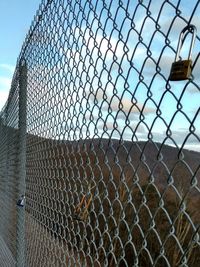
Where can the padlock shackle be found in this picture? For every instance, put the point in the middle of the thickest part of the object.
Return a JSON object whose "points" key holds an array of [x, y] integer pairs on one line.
{"points": [[188, 29]]}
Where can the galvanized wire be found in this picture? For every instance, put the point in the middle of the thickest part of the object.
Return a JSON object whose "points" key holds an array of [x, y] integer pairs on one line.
{"points": [[112, 145]]}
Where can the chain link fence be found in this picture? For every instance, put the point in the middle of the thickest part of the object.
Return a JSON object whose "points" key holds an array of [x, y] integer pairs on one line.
{"points": [[104, 147]]}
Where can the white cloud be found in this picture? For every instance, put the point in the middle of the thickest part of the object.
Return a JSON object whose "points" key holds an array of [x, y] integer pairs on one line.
{"points": [[127, 105], [194, 147], [8, 67], [5, 83], [3, 98], [179, 136]]}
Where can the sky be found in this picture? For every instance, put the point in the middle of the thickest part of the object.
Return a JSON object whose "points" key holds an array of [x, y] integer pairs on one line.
{"points": [[128, 90], [15, 19]]}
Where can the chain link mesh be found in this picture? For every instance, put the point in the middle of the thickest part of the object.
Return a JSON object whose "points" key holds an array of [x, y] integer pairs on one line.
{"points": [[111, 145], [9, 175]]}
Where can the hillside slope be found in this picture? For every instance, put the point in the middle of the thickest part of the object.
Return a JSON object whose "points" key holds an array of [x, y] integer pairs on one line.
{"points": [[104, 194]]}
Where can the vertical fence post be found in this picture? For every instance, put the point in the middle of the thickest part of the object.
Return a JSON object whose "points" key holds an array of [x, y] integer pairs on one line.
{"points": [[4, 172], [20, 251]]}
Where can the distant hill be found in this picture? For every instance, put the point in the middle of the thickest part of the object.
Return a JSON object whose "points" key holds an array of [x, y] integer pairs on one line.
{"points": [[131, 186], [100, 161], [141, 196]]}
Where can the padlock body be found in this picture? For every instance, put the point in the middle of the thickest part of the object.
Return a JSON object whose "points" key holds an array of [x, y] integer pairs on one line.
{"points": [[181, 70]]}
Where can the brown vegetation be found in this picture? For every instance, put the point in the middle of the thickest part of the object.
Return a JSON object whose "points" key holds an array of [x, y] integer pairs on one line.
{"points": [[116, 204]]}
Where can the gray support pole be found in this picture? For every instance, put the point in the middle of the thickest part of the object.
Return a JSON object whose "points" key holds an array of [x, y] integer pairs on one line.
{"points": [[4, 174], [20, 257]]}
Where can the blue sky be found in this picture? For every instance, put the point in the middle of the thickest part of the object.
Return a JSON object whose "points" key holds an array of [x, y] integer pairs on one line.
{"points": [[124, 95], [15, 19]]}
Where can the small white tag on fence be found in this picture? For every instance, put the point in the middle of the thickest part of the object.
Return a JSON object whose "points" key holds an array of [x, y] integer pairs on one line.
{"points": [[21, 201]]}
